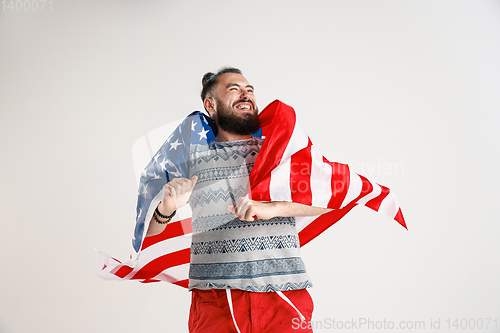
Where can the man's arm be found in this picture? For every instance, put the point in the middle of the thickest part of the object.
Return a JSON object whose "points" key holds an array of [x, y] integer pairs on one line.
{"points": [[176, 194], [246, 209]]}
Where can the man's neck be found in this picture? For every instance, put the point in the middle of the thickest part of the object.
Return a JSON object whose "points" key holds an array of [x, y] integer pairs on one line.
{"points": [[223, 136]]}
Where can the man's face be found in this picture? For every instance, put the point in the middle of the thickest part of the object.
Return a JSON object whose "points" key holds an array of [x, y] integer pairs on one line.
{"points": [[236, 109]]}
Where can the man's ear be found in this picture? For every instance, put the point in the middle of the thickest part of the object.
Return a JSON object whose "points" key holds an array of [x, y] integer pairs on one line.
{"points": [[209, 104]]}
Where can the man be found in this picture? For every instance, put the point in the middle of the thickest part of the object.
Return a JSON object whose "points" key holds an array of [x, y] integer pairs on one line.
{"points": [[245, 254]]}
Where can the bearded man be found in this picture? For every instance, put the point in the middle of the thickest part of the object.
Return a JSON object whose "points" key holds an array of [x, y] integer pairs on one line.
{"points": [[246, 273]]}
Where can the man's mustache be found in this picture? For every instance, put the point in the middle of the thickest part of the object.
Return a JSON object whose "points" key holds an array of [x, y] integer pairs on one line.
{"points": [[244, 101]]}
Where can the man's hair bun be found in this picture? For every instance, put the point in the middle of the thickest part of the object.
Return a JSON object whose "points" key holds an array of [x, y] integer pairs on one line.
{"points": [[207, 77]]}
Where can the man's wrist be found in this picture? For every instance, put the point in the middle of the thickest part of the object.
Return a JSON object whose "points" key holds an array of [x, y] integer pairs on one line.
{"points": [[162, 218], [164, 208]]}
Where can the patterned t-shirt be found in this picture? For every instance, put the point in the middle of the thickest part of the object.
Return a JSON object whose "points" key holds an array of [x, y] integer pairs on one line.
{"points": [[226, 252]]}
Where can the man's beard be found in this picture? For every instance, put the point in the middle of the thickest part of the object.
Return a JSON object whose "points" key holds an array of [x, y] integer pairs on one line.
{"points": [[241, 124]]}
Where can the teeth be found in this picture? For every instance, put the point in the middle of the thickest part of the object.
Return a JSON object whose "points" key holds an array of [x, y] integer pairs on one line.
{"points": [[244, 107]]}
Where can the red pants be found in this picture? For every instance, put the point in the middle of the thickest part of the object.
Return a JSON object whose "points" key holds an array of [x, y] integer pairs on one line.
{"points": [[253, 312]]}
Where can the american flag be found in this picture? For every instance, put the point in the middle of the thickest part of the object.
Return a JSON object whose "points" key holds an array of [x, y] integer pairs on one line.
{"points": [[288, 168]]}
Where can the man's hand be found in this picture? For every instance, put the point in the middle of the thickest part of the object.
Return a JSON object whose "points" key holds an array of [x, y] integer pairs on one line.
{"points": [[176, 194], [248, 210]]}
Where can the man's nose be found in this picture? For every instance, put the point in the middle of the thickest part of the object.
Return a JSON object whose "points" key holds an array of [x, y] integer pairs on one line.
{"points": [[244, 95]]}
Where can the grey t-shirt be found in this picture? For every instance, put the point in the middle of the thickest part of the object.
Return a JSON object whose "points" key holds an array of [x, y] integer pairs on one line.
{"points": [[226, 252]]}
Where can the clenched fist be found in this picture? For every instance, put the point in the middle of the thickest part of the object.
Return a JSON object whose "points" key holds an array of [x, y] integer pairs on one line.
{"points": [[248, 210], [176, 194]]}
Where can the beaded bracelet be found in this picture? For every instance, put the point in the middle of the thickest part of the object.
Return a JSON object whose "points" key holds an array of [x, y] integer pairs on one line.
{"points": [[158, 220], [164, 216]]}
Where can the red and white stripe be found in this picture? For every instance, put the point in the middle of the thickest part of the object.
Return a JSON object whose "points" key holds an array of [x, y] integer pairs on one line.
{"points": [[163, 257], [289, 168]]}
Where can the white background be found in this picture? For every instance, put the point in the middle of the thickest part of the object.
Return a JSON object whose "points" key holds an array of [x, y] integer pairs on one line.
{"points": [[407, 92]]}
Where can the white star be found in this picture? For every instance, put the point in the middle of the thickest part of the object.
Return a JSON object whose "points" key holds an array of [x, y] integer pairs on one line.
{"points": [[174, 145], [143, 174], [193, 124], [163, 164], [145, 190], [205, 120], [156, 158], [156, 177], [140, 212], [203, 134]]}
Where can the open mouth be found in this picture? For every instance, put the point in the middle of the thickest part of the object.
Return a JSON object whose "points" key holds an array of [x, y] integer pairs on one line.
{"points": [[244, 106]]}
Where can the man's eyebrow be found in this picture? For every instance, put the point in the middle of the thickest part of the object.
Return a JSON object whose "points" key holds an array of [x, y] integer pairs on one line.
{"points": [[237, 85]]}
